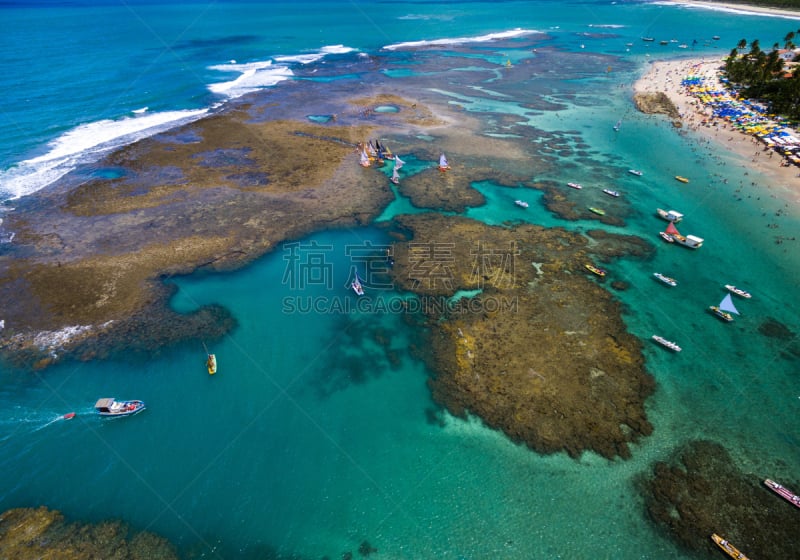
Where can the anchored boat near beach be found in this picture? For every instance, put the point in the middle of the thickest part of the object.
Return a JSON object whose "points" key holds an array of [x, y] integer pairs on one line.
{"points": [[671, 234]]}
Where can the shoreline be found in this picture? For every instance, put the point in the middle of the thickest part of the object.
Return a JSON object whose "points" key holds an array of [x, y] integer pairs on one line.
{"points": [[666, 76], [740, 8]]}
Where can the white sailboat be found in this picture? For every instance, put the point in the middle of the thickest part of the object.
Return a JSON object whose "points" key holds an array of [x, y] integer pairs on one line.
{"points": [[357, 287], [364, 158], [725, 308], [398, 163], [443, 165]]}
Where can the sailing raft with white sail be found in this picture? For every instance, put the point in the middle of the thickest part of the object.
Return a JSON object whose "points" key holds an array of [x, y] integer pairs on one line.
{"points": [[443, 165], [724, 309]]}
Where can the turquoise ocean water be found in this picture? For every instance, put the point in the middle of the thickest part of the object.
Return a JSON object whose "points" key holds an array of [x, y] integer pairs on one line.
{"points": [[316, 433]]}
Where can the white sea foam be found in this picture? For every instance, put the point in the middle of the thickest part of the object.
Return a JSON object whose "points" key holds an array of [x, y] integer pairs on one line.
{"points": [[84, 144], [88, 142], [461, 40], [252, 77]]}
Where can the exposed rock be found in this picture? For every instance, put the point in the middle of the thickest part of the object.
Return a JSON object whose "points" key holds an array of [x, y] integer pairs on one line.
{"points": [[655, 103]]}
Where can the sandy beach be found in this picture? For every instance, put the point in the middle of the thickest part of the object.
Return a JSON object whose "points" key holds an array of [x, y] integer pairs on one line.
{"points": [[742, 8], [666, 76]]}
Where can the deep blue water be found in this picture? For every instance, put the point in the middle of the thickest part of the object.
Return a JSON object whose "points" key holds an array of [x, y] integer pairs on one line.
{"points": [[315, 433]]}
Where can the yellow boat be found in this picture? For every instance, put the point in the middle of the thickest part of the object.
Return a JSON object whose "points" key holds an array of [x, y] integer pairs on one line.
{"points": [[593, 269], [729, 549], [681, 179], [211, 364]]}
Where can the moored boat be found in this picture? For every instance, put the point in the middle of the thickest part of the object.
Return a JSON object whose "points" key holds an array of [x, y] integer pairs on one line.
{"points": [[669, 215], [635, 172], [666, 343], [598, 211], [691, 241], [681, 179], [738, 291], [611, 193], [575, 185], [211, 364], [595, 270], [521, 203], [724, 309], [729, 549], [783, 492], [112, 407], [666, 237], [666, 279]]}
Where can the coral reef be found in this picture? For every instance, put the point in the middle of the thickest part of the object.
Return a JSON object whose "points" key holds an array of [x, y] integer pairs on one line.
{"points": [[28, 534], [700, 491], [534, 347]]}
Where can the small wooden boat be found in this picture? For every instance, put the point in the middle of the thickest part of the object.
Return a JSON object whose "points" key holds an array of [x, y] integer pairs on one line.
{"points": [[729, 549], [594, 270], [783, 492], [666, 343], [738, 291], [681, 179], [211, 364], [111, 407], [666, 279], [575, 185], [598, 211]]}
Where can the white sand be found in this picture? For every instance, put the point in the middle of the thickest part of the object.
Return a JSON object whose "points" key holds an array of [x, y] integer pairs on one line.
{"points": [[784, 182]]}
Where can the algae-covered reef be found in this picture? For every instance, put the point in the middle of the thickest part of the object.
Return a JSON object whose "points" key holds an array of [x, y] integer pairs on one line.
{"points": [[536, 347], [700, 490], [41, 533]]}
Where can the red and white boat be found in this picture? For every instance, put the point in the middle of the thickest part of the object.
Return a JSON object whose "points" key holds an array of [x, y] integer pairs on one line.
{"points": [[783, 492]]}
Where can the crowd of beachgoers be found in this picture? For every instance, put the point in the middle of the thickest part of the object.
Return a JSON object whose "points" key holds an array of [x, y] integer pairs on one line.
{"points": [[719, 102]]}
